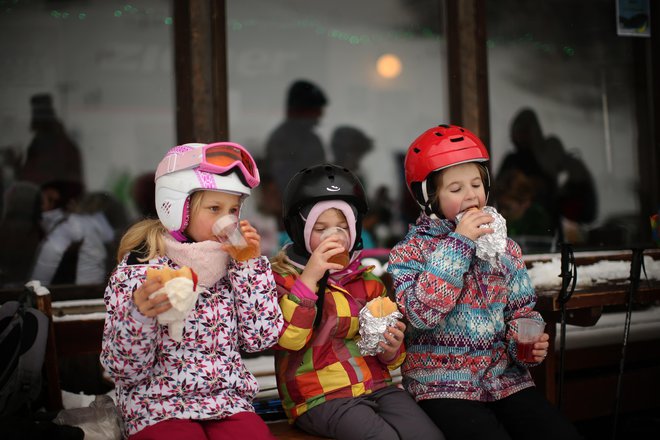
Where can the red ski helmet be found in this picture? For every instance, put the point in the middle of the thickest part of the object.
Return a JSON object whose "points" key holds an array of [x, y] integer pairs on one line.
{"points": [[436, 149]]}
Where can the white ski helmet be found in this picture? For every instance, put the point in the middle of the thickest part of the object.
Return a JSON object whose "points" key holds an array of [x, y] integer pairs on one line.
{"points": [[222, 166]]}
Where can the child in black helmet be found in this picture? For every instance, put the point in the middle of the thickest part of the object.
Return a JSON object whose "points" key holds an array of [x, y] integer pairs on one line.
{"points": [[327, 386], [465, 303]]}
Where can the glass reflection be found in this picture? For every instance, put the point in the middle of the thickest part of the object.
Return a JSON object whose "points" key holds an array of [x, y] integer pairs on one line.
{"points": [[369, 118], [563, 121]]}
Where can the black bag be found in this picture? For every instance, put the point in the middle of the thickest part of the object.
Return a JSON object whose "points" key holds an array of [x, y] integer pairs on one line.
{"points": [[23, 337]]}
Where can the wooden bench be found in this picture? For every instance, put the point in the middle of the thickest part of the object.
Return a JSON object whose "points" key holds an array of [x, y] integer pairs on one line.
{"points": [[283, 430]]}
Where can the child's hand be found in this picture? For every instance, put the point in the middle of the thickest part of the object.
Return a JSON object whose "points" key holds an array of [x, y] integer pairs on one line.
{"points": [[151, 307], [253, 243], [469, 226], [252, 237], [318, 262], [541, 348], [394, 339]]}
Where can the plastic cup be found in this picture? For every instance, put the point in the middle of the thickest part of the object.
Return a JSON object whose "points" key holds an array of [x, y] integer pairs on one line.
{"points": [[342, 258], [228, 231], [529, 332]]}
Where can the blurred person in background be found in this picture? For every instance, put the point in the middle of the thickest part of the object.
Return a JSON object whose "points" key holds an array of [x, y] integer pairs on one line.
{"points": [[20, 232], [52, 155], [294, 145]]}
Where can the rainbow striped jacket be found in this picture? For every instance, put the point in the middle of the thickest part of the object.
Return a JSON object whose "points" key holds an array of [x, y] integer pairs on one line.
{"points": [[314, 365]]}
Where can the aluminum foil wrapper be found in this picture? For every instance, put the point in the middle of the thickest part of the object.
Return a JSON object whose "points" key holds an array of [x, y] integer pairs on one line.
{"points": [[491, 246], [372, 330]]}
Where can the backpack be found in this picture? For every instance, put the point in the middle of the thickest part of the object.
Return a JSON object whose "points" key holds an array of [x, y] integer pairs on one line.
{"points": [[23, 337]]}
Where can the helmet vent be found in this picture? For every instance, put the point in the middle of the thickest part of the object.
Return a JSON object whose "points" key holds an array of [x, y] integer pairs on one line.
{"points": [[330, 173], [443, 125], [457, 139], [416, 150], [166, 206]]}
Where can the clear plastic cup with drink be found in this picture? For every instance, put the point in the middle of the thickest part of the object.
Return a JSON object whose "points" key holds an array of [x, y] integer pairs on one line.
{"points": [[228, 231], [529, 333], [343, 257]]}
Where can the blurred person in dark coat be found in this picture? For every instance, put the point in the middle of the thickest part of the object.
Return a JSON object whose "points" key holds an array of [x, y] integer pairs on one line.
{"points": [[20, 232], [294, 145], [52, 155]]}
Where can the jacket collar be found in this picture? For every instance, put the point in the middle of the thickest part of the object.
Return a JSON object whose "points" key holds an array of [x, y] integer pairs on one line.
{"points": [[431, 226]]}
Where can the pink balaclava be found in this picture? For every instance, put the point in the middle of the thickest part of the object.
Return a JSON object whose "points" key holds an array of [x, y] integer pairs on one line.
{"points": [[319, 209]]}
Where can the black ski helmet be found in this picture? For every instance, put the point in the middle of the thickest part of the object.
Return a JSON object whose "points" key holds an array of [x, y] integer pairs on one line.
{"points": [[315, 184]]}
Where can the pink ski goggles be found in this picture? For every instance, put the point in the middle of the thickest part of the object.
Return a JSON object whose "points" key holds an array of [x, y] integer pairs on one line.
{"points": [[217, 158]]}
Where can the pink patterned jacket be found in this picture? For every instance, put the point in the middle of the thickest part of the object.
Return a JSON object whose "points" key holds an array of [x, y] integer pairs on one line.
{"points": [[203, 376]]}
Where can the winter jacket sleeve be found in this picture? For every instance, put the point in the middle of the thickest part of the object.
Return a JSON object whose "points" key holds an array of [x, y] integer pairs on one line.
{"points": [[428, 279], [129, 338], [53, 248], [521, 298], [259, 316], [298, 304]]}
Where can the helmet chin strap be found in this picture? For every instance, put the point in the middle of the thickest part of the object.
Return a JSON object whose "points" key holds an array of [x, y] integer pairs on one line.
{"points": [[425, 196], [425, 193], [428, 209], [179, 236]]}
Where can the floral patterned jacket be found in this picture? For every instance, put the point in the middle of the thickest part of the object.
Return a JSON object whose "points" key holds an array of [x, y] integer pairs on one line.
{"points": [[203, 376]]}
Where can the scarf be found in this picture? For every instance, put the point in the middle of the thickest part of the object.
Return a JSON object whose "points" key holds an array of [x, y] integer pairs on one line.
{"points": [[206, 258]]}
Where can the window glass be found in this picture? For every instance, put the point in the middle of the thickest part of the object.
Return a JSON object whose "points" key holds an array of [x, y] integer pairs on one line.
{"points": [[86, 108], [563, 124], [372, 77]]}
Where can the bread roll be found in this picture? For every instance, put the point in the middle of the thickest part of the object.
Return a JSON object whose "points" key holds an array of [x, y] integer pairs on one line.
{"points": [[381, 307], [167, 273]]}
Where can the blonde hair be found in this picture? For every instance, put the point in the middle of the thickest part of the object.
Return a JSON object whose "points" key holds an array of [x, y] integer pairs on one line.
{"points": [[147, 235], [281, 264]]}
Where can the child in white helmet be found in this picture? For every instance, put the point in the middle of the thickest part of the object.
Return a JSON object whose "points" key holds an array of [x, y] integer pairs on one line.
{"points": [[188, 381], [464, 302]]}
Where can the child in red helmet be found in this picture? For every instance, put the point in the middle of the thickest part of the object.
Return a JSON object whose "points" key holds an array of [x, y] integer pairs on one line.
{"points": [[329, 387], [463, 308]]}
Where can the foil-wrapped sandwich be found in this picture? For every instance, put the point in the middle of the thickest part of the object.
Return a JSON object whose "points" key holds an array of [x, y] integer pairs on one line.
{"points": [[375, 317], [180, 286], [491, 246]]}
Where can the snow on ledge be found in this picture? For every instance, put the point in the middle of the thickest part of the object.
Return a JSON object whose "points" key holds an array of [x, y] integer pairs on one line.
{"points": [[96, 316], [78, 303], [546, 273]]}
